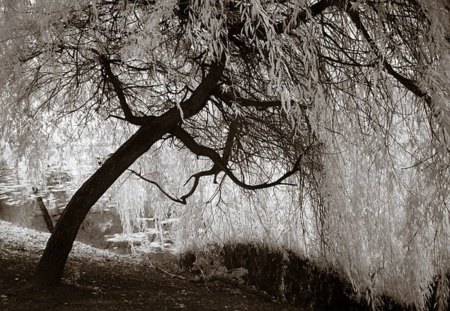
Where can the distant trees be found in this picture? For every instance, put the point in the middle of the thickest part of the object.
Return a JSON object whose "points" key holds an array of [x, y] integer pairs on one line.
{"points": [[263, 89]]}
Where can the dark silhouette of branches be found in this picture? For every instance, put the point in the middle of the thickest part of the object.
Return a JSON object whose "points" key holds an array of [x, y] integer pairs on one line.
{"points": [[220, 164], [171, 197]]}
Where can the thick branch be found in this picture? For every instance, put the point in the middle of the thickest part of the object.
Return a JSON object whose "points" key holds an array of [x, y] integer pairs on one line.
{"points": [[411, 85], [53, 260], [213, 171], [228, 97], [201, 150], [44, 211], [117, 85], [201, 95]]}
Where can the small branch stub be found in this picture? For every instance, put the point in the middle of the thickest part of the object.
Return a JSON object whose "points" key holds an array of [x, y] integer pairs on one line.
{"points": [[44, 210]]}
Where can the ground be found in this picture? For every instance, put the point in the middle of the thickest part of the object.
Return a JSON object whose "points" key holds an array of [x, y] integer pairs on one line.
{"points": [[100, 280]]}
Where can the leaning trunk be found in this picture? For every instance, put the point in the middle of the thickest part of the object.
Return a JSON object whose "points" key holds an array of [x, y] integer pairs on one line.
{"points": [[45, 214], [51, 265], [50, 268]]}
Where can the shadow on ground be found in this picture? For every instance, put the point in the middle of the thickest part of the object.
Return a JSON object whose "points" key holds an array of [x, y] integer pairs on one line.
{"points": [[96, 280]]}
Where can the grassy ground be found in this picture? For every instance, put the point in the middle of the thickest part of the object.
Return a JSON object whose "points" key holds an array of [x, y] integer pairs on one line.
{"points": [[98, 280]]}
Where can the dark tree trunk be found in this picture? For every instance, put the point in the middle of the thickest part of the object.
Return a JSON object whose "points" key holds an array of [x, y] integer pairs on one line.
{"points": [[44, 211], [51, 266], [45, 214]]}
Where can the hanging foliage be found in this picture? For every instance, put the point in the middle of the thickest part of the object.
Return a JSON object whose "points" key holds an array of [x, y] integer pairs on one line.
{"points": [[348, 100]]}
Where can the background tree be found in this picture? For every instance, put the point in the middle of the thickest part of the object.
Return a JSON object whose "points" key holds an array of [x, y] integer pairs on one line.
{"points": [[242, 83]]}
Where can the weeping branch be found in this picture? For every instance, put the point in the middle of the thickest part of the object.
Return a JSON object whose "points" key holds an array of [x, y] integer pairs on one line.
{"points": [[409, 84]]}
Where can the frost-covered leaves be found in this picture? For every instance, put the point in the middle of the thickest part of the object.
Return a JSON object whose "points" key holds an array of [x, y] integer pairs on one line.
{"points": [[304, 54], [386, 193]]}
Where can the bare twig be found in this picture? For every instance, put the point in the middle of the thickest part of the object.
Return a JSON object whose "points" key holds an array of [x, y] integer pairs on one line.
{"points": [[171, 197], [220, 164]]}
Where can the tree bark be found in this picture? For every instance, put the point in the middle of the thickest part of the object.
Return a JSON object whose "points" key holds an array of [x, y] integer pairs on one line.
{"points": [[51, 265], [45, 214], [44, 211]]}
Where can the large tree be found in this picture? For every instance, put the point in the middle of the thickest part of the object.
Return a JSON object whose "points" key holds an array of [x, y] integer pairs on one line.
{"points": [[254, 86]]}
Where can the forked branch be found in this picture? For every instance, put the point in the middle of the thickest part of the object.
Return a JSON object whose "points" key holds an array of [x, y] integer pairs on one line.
{"points": [[171, 197], [221, 166], [213, 171], [117, 86]]}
